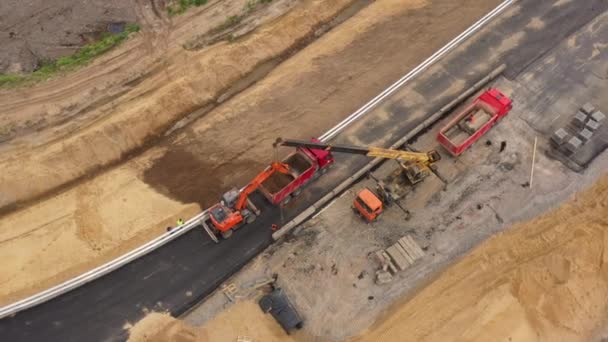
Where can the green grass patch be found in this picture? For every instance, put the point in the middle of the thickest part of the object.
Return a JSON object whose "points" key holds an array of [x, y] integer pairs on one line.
{"points": [[83, 56], [180, 6], [252, 4]]}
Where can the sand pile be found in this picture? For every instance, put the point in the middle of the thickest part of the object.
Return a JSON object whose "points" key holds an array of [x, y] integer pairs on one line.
{"points": [[244, 319], [542, 280]]}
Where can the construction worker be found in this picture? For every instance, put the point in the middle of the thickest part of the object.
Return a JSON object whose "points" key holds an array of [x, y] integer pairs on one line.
{"points": [[180, 221]]}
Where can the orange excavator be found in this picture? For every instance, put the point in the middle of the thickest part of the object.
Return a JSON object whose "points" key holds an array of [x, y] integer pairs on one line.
{"points": [[235, 208]]}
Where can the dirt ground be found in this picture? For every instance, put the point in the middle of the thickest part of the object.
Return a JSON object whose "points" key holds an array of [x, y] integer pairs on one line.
{"points": [[542, 280], [245, 321], [37, 30], [65, 129], [302, 96]]}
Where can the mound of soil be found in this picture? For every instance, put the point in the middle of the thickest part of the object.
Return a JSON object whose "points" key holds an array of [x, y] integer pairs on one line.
{"points": [[31, 31], [241, 322]]}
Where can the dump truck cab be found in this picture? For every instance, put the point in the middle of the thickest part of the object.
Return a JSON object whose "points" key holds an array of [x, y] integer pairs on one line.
{"points": [[368, 205]]}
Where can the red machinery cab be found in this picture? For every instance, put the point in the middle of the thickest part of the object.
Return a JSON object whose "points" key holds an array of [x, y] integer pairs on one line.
{"points": [[368, 205], [474, 121]]}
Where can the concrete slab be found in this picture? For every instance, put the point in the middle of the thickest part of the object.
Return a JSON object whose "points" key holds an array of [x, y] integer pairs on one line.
{"points": [[598, 116], [413, 247], [588, 108], [580, 119], [585, 135], [592, 125], [574, 144], [560, 136], [397, 256], [408, 256]]}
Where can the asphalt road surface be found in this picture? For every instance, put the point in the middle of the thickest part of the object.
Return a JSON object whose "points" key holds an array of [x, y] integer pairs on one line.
{"points": [[183, 272]]}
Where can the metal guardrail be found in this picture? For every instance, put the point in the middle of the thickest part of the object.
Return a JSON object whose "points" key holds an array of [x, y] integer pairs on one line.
{"points": [[110, 266]]}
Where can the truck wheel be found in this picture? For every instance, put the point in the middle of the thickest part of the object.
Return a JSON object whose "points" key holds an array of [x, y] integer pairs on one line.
{"points": [[296, 193], [324, 170], [286, 200], [227, 234], [251, 218]]}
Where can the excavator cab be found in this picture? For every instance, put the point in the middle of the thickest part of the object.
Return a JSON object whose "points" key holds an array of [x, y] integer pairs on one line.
{"points": [[368, 205], [225, 219]]}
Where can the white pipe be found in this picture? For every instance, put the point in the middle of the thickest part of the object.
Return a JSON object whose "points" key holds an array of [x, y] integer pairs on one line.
{"points": [[110, 266]]}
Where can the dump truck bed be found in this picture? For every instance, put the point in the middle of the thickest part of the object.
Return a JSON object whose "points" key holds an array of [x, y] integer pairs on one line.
{"points": [[302, 167], [474, 121]]}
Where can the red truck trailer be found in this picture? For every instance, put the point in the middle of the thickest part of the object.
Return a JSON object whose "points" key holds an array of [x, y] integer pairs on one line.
{"points": [[474, 121], [305, 164]]}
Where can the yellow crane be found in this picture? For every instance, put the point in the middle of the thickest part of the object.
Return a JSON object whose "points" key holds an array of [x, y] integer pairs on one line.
{"points": [[416, 165]]}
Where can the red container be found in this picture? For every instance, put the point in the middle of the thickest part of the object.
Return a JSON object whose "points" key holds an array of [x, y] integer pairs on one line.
{"points": [[491, 105], [304, 165]]}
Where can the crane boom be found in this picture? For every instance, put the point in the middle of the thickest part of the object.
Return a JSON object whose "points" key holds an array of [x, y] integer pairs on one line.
{"points": [[406, 156]]}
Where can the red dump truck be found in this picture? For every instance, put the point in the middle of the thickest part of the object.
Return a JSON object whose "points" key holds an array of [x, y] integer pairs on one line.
{"points": [[305, 164], [474, 121]]}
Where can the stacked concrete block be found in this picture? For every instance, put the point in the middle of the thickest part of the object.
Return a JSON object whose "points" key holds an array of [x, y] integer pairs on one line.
{"points": [[592, 125], [573, 144], [560, 136], [588, 108], [411, 247], [397, 257], [598, 116], [580, 119], [585, 135]]}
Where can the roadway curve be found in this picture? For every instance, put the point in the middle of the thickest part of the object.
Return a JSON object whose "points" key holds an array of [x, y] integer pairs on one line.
{"points": [[180, 274]]}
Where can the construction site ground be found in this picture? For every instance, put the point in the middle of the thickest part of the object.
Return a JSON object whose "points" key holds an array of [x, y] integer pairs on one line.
{"points": [[540, 280], [186, 171], [298, 98], [328, 267]]}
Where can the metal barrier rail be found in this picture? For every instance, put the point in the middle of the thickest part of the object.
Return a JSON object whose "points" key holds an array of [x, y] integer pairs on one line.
{"points": [[110, 266]]}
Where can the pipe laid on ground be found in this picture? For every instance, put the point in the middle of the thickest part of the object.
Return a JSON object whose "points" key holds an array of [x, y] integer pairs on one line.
{"points": [[352, 179]]}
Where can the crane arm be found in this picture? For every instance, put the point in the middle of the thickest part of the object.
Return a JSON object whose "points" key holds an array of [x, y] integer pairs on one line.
{"points": [[259, 179], [418, 157]]}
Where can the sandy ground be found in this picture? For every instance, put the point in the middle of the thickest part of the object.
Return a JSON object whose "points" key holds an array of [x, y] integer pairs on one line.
{"points": [[245, 321], [542, 280], [160, 82], [301, 97]]}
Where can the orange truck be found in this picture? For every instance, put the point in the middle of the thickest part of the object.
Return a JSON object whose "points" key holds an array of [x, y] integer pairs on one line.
{"points": [[367, 205]]}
